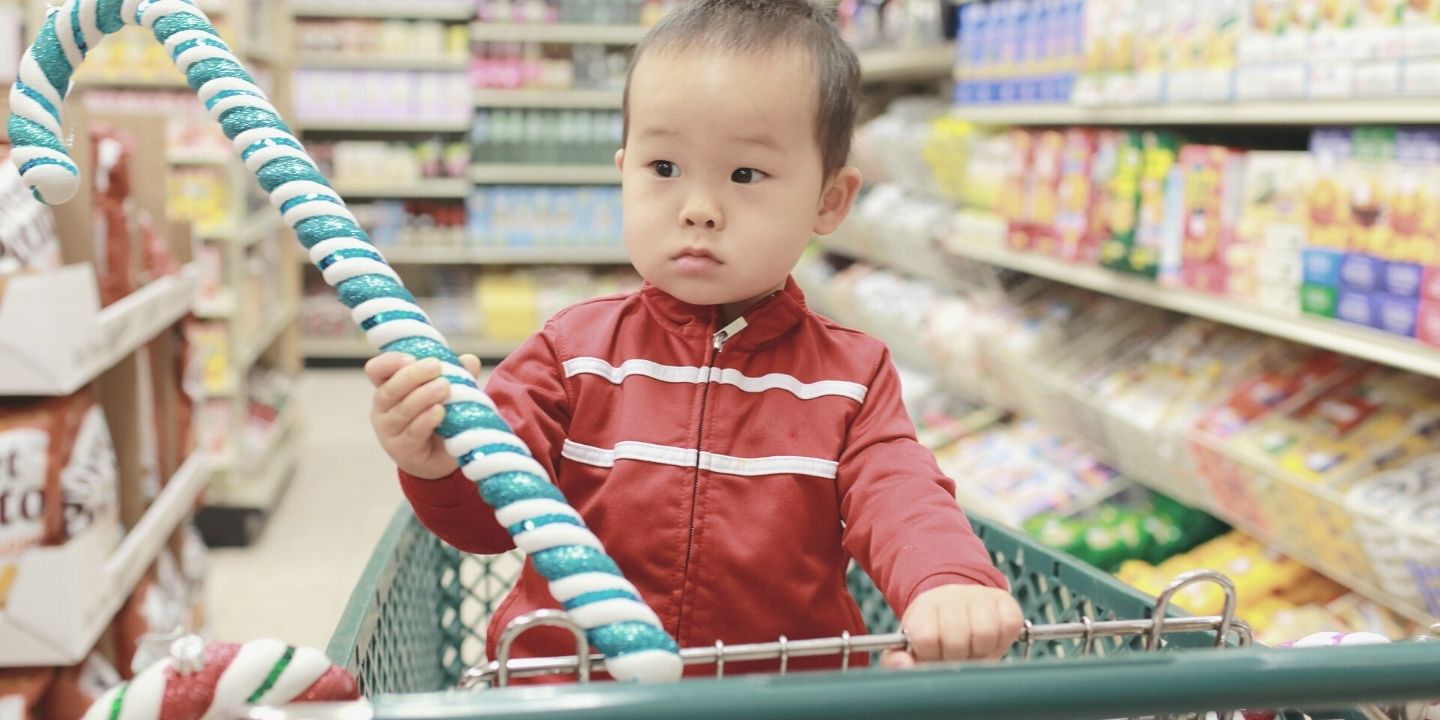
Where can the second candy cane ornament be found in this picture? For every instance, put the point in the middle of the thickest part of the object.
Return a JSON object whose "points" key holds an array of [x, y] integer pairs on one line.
{"points": [[618, 622]]}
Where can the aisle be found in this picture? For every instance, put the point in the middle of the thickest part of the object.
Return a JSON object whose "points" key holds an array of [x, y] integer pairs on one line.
{"points": [[294, 582]]}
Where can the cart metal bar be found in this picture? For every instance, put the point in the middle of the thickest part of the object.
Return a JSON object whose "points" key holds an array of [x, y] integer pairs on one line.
{"points": [[1093, 688]]}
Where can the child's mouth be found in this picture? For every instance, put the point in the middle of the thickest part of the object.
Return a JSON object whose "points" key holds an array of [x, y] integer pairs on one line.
{"points": [[696, 261]]}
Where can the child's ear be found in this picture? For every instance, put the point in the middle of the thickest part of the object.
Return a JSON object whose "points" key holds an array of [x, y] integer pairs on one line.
{"points": [[620, 159], [836, 200]]}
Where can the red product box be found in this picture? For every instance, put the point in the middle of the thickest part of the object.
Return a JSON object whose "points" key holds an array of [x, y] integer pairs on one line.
{"points": [[1207, 277], [1427, 324], [1430, 286], [1078, 197], [1214, 185]]}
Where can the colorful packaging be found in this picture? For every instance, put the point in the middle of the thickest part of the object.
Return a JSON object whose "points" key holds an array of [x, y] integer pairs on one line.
{"points": [[1158, 221], [1078, 204], [1213, 204], [1320, 300]]}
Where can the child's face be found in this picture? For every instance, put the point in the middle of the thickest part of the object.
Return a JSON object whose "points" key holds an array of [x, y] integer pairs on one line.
{"points": [[722, 173]]}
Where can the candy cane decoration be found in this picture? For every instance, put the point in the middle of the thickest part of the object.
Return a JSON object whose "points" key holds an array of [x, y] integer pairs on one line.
{"points": [[582, 577]]}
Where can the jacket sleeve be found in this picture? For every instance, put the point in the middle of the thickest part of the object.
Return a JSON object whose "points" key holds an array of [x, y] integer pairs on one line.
{"points": [[529, 389], [902, 523]]}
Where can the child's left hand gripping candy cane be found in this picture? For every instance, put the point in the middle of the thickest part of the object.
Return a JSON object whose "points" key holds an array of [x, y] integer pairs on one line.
{"points": [[618, 622]]}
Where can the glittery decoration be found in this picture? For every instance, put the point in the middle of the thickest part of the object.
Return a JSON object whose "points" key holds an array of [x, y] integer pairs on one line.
{"points": [[473, 430]]}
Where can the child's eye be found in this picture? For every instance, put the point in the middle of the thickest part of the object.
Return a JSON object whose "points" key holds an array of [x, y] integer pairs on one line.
{"points": [[665, 169], [747, 176]]}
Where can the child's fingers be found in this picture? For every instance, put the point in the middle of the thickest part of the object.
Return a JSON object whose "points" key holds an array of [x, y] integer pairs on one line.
{"points": [[957, 640], [417, 433], [897, 660], [472, 365], [421, 401], [403, 383], [381, 368], [1011, 623], [924, 634], [984, 630]]}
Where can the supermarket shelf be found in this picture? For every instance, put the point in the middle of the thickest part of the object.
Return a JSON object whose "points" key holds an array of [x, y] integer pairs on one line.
{"points": [[933, 63], [557, 33], [220, 308], [1294, 113], [265, 53], [394, 126], [64, 597], [247, 355], [1334, 335], [285, 424], [259, 490], [55, 337], [505, 256], [258, 225], [428, 188], [398, 9], [545, 174], [363, 61], [199, 157], [564, 99], [355, 348]]}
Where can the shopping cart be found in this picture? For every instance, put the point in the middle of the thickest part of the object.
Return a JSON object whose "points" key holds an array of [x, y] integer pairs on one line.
{"points": [[1094, 648]]}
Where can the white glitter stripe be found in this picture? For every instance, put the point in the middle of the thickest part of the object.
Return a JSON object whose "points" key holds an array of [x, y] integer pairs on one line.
{"points": [[355, 267], [65, 31], [33, 76], [483, 467], [243, 675], [546, 537], [221, 107], [200, 53], [295, 188], [518, 512], [568, 588], [90, 24], [466, 394], [26, 107], [211, 88], [127, 12], [101, 709], [393, 330], [609, 612], [370, 308], [306, 666], [185, 36], [145, 694], [244, 140], [478, 438], [24, 154]]}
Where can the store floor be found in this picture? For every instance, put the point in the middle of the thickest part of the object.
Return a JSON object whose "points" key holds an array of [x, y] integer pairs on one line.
{"points": [[293, 584]]}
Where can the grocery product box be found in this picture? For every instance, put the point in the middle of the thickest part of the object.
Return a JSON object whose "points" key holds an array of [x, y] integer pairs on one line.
{"points": [[1361, 273], [1331, 79], [1427, 323], [1357, 308], [1123, 200], [1160, 211], [1397, 315], [1280, 298], [1402, 279], [1321, 266], [1213, 178], [1430, 287], [1377, 78], [1077, 197], [1320, 300]]}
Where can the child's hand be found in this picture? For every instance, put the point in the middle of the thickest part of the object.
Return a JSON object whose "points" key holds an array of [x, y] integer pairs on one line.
{"points": [[408, 406], [957, 622]]}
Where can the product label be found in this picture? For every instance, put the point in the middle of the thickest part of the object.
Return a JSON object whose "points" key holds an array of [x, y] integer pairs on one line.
{"points": [[22, 489], [89, 481]]}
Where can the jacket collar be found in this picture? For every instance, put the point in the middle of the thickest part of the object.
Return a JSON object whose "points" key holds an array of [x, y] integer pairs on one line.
{"points": [[768, 320]]}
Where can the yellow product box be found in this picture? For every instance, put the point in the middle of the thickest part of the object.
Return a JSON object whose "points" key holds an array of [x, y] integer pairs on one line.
{"points": [[508, 305]]}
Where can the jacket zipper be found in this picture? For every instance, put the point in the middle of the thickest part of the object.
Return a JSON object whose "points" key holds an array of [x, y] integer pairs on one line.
{"points": [[717, 344]]}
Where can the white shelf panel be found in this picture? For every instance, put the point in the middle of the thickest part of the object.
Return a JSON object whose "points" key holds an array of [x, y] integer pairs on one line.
{"points": [[358, 61], [1297, 113], [258, 225], [220, 308], [562, 99], [358, 349], [1334, 335], [932, 63], [505, 256], [247, 354], [441, 188], [394, 126], [261, 489], [55, 337], [64, 597], [557, 33], [199, 157], [394, 9], [545, 174]]}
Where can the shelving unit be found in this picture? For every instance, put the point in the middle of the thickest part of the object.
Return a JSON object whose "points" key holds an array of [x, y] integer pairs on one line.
{"points": [[394, 9], [557, 33], [1400, 111], [545, 174], [906, 64], [243, 495], [422, 188], [550, 99], [381, 62], [375, 127]]}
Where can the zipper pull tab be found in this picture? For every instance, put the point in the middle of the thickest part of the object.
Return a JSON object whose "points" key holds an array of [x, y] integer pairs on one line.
{"points": [[728, 332]]}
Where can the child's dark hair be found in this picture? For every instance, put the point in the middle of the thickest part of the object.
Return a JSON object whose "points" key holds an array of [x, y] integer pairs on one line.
{"points": [[758, 25]]}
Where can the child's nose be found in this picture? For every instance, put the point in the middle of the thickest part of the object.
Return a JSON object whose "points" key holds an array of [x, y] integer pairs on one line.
{"points": [[701, 212]]}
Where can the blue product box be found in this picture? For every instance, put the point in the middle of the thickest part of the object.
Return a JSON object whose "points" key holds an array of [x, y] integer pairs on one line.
{"points": [[1357, 308], [1322, 266], [1332, 144], [1418, 146], [1403, 279], [1361, 273], [1397, 315]]}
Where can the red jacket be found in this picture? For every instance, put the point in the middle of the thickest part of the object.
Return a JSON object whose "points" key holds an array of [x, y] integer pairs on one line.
{"points": [[733, 504]]}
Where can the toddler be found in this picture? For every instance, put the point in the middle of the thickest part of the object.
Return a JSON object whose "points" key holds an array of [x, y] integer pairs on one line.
{"points": [[732, 449]]}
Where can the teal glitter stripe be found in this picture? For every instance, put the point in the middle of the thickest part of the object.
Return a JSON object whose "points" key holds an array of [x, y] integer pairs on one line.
{"points": [[624, 638], [460, 417], [315, 230], [504, 489], [226, 94], [37, 162], [544, 521], [107, 16], [39, 99], [568, 560], [284, 170], [75, 31], [600, 596], [27, 132], [384, 317], [357, 290], [51, 58], [167, 26], [212, 41]]}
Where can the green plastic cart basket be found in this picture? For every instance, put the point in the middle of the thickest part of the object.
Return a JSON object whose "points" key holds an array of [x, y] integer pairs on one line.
{"points": [[416, 623]]}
